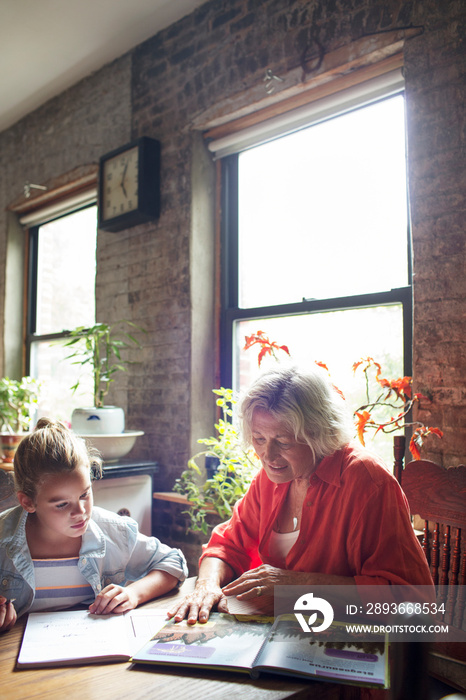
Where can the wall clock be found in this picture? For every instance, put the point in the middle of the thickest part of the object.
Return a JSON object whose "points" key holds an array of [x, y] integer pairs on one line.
{"points": [[129, 185]]}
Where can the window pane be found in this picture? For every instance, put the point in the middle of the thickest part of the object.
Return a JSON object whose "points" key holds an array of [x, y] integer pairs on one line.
{"points": [[66, 272], [58, 375], [322, 212], [338, 339]]}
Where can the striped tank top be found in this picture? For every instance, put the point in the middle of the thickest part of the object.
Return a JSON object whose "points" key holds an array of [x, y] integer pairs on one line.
{"points": [[59, 584]]}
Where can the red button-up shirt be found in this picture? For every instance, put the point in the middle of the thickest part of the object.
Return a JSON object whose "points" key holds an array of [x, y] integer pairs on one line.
{"points": [[355, 522]]}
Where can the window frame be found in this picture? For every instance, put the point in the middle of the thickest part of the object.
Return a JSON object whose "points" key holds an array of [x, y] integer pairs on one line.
{"points": [[31, 336], [229, 281]]}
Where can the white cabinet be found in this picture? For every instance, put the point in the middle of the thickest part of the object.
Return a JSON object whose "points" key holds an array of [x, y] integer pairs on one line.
{"points": [[126, 488], [127, 495]]}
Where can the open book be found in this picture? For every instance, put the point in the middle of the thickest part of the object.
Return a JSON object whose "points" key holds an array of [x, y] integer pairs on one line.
{"points": [[73, 637], [255, 644]]}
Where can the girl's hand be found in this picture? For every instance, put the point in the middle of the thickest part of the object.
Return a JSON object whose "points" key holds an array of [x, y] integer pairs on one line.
{"points": [[8, 615], [114, 599], [198, 604]]}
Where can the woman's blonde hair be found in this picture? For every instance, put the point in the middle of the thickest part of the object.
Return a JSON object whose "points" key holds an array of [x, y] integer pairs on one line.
{"points": [[306, 402], [51, 448]]}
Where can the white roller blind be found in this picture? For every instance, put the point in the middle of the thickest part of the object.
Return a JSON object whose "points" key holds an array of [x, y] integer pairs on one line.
{"points": [[316, 111], [60, 208]]}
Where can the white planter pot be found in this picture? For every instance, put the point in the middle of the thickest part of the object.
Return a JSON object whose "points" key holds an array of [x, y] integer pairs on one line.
{"points": [[114, 447], [108, 420]]}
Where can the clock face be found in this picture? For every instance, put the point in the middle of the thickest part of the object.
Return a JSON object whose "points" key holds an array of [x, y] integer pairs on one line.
{"points": [[120, 184], [129, 185]]}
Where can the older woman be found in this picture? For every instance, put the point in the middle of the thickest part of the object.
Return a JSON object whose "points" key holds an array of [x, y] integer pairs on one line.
{"points": [[322, 510]]}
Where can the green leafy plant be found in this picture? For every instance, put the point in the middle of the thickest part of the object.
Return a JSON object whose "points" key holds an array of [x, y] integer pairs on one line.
{"points": [[18, 397], [229, 483], [100, 347]]}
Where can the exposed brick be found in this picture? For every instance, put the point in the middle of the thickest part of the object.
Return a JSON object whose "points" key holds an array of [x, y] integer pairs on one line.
{"points": [[225, 17], [243, 23], [182, 55]]}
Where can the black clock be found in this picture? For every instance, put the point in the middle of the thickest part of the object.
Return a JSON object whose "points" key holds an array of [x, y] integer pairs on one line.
{"points": [[129, 185]]}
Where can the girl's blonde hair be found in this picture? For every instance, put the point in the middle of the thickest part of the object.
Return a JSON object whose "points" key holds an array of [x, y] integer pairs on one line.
{"points": [[51, 448]]}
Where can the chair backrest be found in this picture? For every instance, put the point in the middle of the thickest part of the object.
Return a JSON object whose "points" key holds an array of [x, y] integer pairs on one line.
{"points": [[438, 496]]}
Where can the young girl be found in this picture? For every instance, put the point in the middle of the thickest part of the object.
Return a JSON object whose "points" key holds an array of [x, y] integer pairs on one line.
{"points": [[57, 550]]}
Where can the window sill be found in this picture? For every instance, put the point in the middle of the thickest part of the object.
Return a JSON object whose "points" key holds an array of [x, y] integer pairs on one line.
{"points": [[171, 497]]}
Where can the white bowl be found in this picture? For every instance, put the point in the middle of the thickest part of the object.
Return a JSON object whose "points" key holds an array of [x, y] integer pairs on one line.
{"points": [[113, 447]]}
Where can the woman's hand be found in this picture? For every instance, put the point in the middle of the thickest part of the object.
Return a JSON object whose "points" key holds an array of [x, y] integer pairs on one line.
{"points": [[260, 582], [7, 614], [257, 586], [198, 604], [213, 573], [114, 599]]}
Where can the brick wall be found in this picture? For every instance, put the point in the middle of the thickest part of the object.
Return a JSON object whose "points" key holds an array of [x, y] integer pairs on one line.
{"points": [[69, 131], [436, 98], [218, 56], [222, 49]]}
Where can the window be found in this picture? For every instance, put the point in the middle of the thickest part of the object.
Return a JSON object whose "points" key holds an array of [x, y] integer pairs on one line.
{"points": [[61, 296], [316, 248]]}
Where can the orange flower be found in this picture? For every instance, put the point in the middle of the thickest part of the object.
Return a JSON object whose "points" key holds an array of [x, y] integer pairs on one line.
{"points": [[417, 439], [268, 347], [361, 422], [254, 338], [368, 361], [401, 386]]}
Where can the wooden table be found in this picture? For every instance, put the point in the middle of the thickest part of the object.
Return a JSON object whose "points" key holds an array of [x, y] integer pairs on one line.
{"points": [[123, 681]]}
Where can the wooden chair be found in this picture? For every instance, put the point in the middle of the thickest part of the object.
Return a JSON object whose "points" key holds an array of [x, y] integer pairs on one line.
{"points": [[437, 501], [438, 497]]}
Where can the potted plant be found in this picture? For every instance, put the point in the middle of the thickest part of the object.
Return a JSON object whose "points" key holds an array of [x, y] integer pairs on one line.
{"points": [[98, 349], [18, 397], [235, 469], [389, 411]]}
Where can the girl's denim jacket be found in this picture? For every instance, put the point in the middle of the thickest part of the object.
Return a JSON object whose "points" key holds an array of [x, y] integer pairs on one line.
{"points": [[112, 551]]}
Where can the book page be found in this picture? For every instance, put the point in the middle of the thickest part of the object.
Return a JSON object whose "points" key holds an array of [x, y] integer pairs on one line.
{"points": [[289, 650], [56, 638], [221, 642], [143, 625]]}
